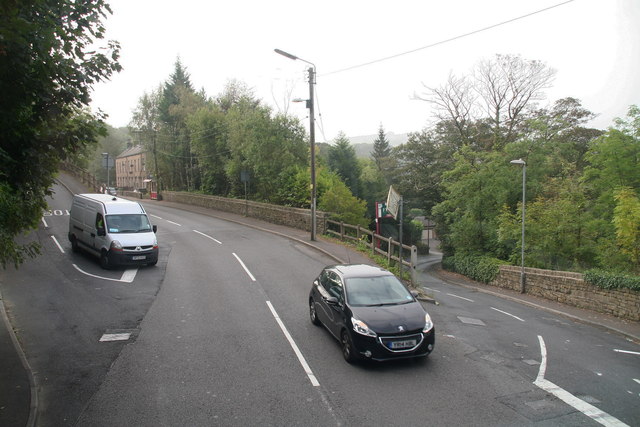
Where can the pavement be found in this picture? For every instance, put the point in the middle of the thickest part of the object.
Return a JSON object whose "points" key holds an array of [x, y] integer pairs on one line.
{"points": [[18, 399]]}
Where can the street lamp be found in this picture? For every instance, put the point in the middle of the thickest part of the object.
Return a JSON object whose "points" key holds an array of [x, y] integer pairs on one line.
{"points": [[524, 189], [312, 136], [107, 165]]}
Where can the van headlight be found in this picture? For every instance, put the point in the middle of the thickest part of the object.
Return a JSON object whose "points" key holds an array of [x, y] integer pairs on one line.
{"points": [[115, 245], [428, 324], [360, 327]]}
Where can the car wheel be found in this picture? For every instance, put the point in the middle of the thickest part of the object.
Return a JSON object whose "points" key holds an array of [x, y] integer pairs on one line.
{"points": [[348, 351], [74, 245], [104, 260], [312, 313]]}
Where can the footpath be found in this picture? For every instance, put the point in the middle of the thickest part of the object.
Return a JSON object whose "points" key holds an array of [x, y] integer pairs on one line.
{"points": [[17, 407]]}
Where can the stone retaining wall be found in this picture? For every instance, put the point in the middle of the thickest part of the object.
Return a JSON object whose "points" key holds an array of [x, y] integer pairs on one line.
{"points": [[571, 289], [291, 217]]}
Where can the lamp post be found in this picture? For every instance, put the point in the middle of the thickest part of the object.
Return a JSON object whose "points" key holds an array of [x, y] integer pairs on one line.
{"points": [[524, 189], [107, 165], [312, 136]]}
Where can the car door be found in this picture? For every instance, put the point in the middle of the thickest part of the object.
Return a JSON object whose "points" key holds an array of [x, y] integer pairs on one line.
{"points": [[335, 288]]}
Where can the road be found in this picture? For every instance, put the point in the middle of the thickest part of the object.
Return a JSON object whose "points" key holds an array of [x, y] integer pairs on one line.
{"points": [[218, 334]]}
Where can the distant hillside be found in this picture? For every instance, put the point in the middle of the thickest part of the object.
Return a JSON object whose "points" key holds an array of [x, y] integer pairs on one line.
{"points": [[364, 144]]}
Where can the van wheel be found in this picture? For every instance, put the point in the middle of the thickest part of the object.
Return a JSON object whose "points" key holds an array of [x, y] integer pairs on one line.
{"points": [[151, 264], [74, 244], [104, 260]]}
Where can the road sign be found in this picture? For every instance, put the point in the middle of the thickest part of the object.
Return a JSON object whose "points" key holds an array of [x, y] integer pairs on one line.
{"points": [[393, 202]]}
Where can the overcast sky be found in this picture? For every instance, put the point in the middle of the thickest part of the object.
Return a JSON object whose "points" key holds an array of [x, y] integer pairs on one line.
{"points": [[593, 44]]}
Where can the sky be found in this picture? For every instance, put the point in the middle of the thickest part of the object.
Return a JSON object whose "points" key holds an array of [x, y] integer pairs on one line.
{"points": [[594, 45]]}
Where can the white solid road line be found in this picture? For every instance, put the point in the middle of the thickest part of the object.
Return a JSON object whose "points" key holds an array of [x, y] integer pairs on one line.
{"points": [[301, 359], [245, 267], [458, 296], [579, 404], [508, 314], [57, 244], [45, 223], [127, 276], [208, 237]]}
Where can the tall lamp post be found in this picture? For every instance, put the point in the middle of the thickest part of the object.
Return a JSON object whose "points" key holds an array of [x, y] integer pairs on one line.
{"points": [[107, 165], [312, 136], [524, 189]]}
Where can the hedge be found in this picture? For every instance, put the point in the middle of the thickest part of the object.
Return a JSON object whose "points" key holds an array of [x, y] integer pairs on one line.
{"points": [[609, 280], [480, 268]]}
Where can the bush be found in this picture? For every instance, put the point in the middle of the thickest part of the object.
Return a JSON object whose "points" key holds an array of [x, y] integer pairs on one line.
{"points": [[609, 280], [480, 268]]}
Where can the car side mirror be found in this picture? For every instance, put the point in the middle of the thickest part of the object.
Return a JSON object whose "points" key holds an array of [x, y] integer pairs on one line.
{"points": [[155, 228], [101, 231], [332, 300]]}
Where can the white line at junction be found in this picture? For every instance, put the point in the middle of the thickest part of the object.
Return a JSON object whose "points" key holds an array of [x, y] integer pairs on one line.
{"points": [[45, 223], [508, 314], [57, 244], [579, 404], [127, 276], [208, 237], [301, 359], [245, 267]]}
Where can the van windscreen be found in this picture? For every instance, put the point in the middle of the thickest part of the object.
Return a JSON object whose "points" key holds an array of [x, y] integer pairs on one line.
{"points": [[130, 223]]}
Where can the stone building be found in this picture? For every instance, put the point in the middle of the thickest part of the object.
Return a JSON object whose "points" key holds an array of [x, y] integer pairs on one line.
{"points": [[131, 168]]}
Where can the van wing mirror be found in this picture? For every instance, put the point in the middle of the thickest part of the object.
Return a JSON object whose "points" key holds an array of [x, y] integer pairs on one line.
{"points": [[100, 231], [155, 228]]}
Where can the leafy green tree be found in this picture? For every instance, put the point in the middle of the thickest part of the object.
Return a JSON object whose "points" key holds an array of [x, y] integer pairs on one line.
{"points": [[626, 219], [342, 160], [50, 59], [337, 199]]}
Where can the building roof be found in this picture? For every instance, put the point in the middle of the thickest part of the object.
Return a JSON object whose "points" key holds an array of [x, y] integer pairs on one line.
{"points": [[132, 151]]}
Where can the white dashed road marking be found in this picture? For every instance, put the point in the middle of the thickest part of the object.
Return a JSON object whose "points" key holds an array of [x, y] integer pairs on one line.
{"points": [[458, 296], [253, 279], [508, 314], [208, 237], [301, 359], [626, 352], [57, 244], [174, 223]]}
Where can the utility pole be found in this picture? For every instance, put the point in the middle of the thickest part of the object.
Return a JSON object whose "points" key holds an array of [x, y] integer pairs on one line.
{"points": [[312, 137]]}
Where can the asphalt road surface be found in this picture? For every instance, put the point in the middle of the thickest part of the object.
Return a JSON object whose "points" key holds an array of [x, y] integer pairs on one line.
{"points": [[218, 334]]}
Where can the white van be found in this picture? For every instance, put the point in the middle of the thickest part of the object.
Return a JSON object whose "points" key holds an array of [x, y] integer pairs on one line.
{"points": [[116, 230]]}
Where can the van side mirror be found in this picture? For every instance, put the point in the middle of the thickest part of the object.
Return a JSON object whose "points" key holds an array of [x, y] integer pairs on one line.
{"points": [[155, 228], [101, 231]]}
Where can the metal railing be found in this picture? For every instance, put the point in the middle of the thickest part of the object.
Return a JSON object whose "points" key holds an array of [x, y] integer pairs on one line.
{"points": [[85, 177], [378, 244]]}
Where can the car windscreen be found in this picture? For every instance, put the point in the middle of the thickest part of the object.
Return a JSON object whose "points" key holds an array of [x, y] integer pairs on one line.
{"points": [[129, 223], [374, 291]]}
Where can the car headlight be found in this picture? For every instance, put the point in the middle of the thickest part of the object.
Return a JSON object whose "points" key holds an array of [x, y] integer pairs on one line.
{"points": [[115, 245], [360, 327], [428, 324]]}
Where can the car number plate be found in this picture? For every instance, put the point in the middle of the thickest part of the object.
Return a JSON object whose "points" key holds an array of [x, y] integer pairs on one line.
{"points": [[402, 344], [138, 257]]}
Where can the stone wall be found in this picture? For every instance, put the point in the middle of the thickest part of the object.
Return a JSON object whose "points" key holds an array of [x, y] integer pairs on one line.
{"points": [[571, 289], [291, 217]]}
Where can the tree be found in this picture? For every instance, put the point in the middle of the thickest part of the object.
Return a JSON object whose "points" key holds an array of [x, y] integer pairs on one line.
{"points": [[498, 93], [626, 219], [381, 149], [342, 160], [49, 62]]}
